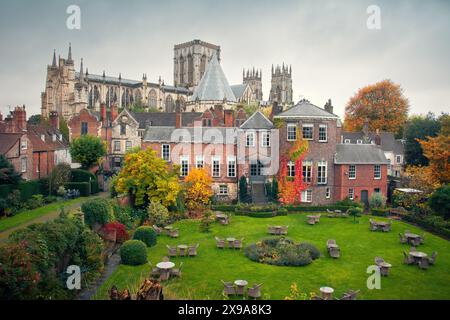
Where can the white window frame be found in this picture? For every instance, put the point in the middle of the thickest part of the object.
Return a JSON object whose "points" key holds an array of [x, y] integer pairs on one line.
{"points": [[184, 159], [231, 159], [398, 158], [328, 193], [349, 175], [221, 188], [23, 144], [351, 194], [128, 145], [213, 160], [321, 126], [291, 169], [162, 151], [24, 165], [199, 159], [308, 125], [359, 141], [306, 196], [247, 136], [375, 176], [308, 177], [265, 139], [325, 178], [290, 126], [347, 141], [117, 143]]}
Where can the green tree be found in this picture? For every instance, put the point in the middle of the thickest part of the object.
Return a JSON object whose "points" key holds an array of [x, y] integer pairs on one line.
{"points": [[35, 119], [87, 150], [64, 128], [439, 201], [60, 175], [8, 175], [243, 189], [419, 127]]}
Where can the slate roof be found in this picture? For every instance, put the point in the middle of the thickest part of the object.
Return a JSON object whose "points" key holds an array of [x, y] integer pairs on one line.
{"points": [[213, 135], [359, 154], [238, 90], [7, 141], [214, 85], [388, 141], [257, 121], [163, 119], [305, 109]]}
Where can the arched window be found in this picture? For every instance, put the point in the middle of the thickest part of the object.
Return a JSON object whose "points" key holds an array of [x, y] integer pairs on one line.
{"points": [[202, 66], [96, 94], [181, 71], [108, 97], [91, 98], [190, 69], [169, 104], [138, 96], [152, 102]]}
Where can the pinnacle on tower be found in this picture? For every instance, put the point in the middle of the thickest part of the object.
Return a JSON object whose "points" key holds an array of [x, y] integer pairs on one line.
{"points": [[54, 59], [69, 57], [81, 71]]}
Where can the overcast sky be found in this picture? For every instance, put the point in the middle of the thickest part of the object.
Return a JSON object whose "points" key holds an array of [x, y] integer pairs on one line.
{"points": [[330, 48]]}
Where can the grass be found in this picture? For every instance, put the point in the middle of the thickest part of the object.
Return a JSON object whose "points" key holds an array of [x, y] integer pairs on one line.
{"points": [[29, 215], [359, 246]]}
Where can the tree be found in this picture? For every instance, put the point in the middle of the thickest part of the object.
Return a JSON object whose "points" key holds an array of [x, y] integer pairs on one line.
{"points": [[243, 189], [437, 151], [8, 175], [419, 127], [60, 175], [35, 119], [87, 150], [421, 178], [382, 103], [64, 128], [439, 201], [198, 190], [148, 178]]}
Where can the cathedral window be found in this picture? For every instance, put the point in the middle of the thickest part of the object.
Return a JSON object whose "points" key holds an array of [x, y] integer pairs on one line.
{"points": [[152, 99], [190, 70], [169, 104]]}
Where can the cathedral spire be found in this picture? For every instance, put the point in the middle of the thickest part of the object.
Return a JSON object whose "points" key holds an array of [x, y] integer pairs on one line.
{"points": [[54, 59], [81, 71], [69, 57]]}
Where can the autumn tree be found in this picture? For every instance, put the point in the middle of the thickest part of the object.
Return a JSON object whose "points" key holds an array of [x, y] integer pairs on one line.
{"points": [[437, 151], [198, 190], [382, 103], [421, 178], [148, 178]]}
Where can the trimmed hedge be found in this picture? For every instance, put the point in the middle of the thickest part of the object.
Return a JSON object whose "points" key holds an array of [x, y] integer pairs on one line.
{"points": [[281, 210], [224, 207], [79, 175], [96, 211], [316, 208], [429, 225], [5, 190], [133, 253], [379, 212], [145, 234], [83, 187]]}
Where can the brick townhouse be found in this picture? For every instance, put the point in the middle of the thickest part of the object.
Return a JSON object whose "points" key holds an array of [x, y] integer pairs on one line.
{"points": [[34, 150]]}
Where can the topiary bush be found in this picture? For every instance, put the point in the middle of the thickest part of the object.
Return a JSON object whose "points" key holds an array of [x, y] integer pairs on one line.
{"points": [[377, 200], [146, 234], [133, 253], [96, 212]]}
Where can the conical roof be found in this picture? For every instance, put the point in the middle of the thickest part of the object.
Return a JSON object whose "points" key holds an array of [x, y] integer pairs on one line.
{"points": [[214, 85]]}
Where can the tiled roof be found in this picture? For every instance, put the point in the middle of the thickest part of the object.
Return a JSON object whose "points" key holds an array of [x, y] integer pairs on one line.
{"points": [[213, 135], [388, 141], [35, 132], [257, 121], [163, 119], [214, 85], [305, 109], [359, 154], [7, 141]]}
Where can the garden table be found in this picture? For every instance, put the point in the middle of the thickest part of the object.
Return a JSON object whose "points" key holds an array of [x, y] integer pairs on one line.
{"points": [[411, 237], [333, 245], [384, 267], [240, 286], [327, 293], [182, 248], [167, 265], [418, 255]]}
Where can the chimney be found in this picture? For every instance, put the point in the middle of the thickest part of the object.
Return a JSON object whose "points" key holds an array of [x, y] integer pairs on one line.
{"points": [[276, 109], [378, 138], [54, 120], [19, 119], [366, 128], [103, 112], [1, 116], [114, 112], [328, 106], [9, 124], [228, 118], [178, 117]]}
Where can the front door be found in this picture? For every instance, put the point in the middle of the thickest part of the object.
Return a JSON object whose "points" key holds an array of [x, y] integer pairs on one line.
{"points": [[365, 198], [255, 169]]}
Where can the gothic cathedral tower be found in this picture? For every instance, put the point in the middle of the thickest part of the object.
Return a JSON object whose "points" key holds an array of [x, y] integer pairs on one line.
{"points": [[190, 61], [281, 90], [253, 78]]}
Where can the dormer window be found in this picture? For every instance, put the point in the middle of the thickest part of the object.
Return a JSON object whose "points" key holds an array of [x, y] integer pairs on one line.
{"points": [[359, 141], [24, 144], [54, 137], [43, 137], [60, 137], [347, 141]]}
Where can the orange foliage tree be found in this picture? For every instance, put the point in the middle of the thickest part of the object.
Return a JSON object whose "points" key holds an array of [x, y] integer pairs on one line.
{"points": [[421, 178], [198, 190], [290, 188], [437, 151], [382, 103]]}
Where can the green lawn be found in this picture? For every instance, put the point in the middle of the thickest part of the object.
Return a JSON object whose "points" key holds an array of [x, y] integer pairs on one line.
{"points": [[359, 246], [29, 215]]}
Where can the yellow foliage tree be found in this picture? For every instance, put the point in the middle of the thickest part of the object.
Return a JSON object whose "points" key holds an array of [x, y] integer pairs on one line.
{"points": [[148, 178], [421, 178], [198, 190], [437, 151]]}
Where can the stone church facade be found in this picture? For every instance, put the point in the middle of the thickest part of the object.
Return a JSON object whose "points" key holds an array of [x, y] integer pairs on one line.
{"points": [[281, 86]]}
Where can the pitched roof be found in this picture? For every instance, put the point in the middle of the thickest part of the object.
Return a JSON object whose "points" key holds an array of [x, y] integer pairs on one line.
{"points": [[257, 121], [35, 132], [7, 141], [239, 89], [388, 141], [163, 119], [214, 85], [359, 154], [305, 109], [209, 135]]}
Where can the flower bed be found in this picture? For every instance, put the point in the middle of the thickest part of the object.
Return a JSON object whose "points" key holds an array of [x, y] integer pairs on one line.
{"points": [[282, 252]]}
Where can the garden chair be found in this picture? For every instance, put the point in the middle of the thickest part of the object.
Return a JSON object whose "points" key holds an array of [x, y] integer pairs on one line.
{"points": [[164, 275], [424, 264], [284, 230], [330, 211], [412, 249], [228, 288], [384, 271], [238, 243], [220, 243], [350, 295], [176, 272], [407, 259], [172, 251], [386, 228], [155, 273], [272, 230], [373, 226], [174, 233], [255, 291], [334, 252], [330, 242], [192, 250], [157, 229], [415, 242], [182, 252], [378, 260], [432, 259], [403, 239], [316, 297]]}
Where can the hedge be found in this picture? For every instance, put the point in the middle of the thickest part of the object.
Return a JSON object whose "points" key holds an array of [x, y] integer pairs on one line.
{"points": [[281, 210], [79, 175], [5, 189], [379, 212], [224, 207], [83, 187], [444, 232], [317, 208], [145, 234]]}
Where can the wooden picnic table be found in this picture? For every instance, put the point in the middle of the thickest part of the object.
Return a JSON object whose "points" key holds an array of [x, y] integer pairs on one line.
{"points": [[231, 242]]}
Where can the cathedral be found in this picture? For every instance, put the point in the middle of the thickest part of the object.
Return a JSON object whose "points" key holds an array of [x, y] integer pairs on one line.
{"points": [[199, 84]]}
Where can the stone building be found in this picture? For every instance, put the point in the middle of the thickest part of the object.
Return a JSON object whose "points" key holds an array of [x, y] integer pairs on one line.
{"points": [[190, 62], [281, 86], [254, 79]]}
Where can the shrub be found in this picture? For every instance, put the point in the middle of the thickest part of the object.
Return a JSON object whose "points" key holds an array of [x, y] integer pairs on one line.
{"points": [[206, 221], [96, 212], [36, 201], [313, 251], [349, 203], [61, 175], [158, 214], [377, 200], [146, 234], [28, 189], [379, 212], [243, 190], [439, 201], [61, 191], [133, 253], [121, 232], [14, 202], [83, 187], [355, 212], [274, 190]]}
